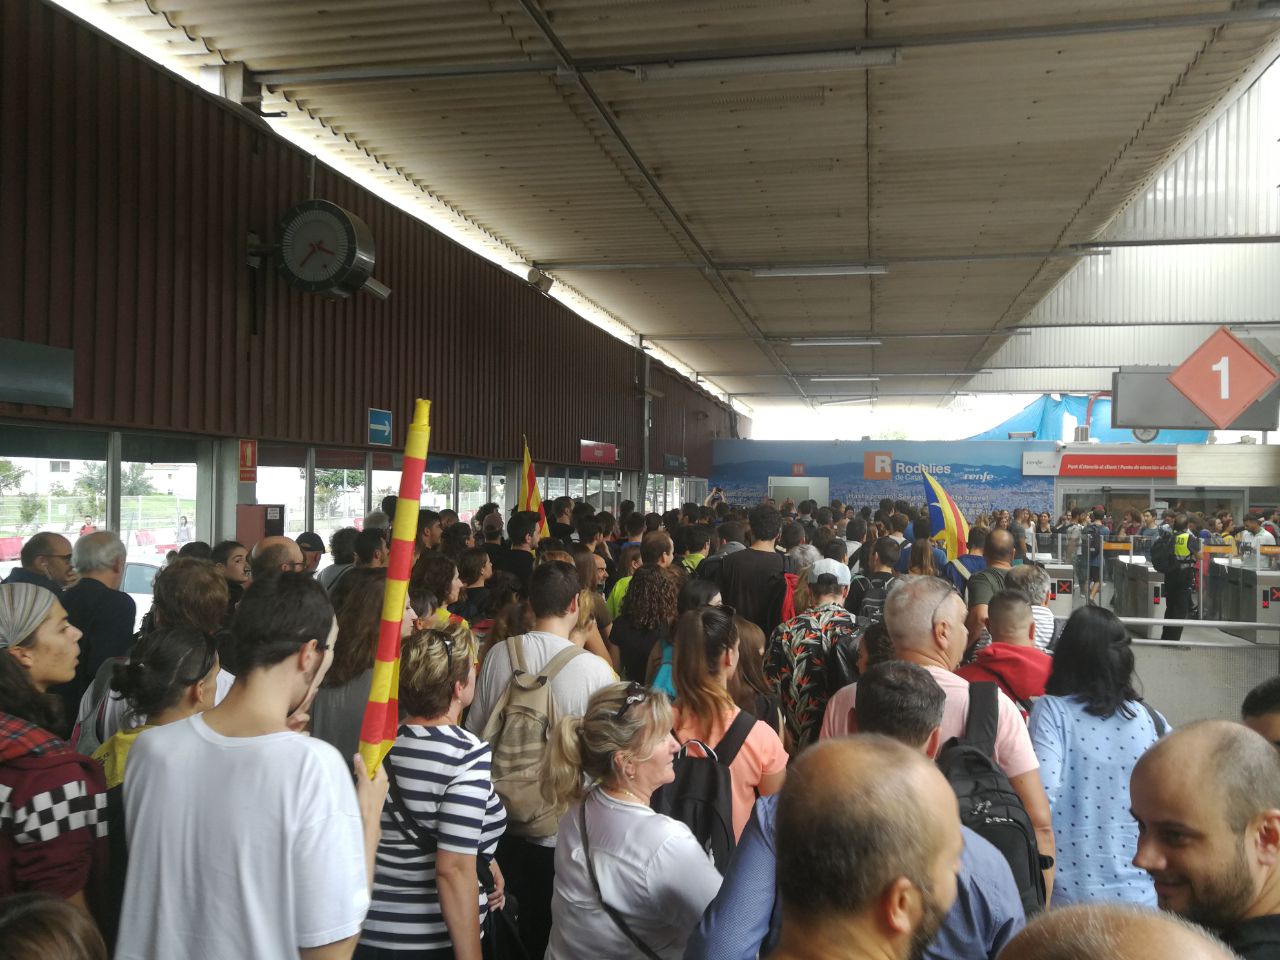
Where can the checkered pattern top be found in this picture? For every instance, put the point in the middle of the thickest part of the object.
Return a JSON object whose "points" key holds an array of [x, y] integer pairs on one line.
{"points": [[41, 797]]}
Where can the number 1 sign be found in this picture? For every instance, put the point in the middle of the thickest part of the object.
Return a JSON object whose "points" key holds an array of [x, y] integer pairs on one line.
{"points": [[1223, 377]]}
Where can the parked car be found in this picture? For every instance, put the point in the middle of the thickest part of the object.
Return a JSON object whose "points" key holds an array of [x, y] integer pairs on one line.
{"points": [[137, 583]]}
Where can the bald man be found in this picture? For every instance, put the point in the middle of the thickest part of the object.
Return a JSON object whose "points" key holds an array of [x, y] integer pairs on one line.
{"points": [[1095, 931], [987, 582], [869, 846], [926, 621], [46, 562], [276, 555], [1207, 802]]}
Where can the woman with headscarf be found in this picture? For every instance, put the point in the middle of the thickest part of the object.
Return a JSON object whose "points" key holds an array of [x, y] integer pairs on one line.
{"points": [[53, 822]]}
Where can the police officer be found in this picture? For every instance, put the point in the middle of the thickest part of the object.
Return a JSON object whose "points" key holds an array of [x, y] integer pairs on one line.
{"points": [[1179, 580]]}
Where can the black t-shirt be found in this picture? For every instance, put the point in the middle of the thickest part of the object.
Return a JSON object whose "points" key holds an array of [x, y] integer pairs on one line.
{"points": [[635, 644], [1256, 939], [518, 563], [562, 532], [493, 549], [744, 585]]}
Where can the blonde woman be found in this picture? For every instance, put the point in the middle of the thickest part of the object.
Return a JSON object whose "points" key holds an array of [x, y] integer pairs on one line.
{"points": [[629, 882], [441, 816]]}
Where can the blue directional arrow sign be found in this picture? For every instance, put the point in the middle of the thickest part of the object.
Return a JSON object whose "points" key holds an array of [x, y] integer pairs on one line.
{"points": [[379, 427]]}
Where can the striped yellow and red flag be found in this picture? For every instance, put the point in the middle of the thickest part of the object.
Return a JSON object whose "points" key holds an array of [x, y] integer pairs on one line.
{"points": [[948, 523], [530, 499], [382, 715]]}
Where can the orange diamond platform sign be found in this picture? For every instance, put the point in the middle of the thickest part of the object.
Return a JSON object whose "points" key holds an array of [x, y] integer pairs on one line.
{"points": [[1223, 377]]}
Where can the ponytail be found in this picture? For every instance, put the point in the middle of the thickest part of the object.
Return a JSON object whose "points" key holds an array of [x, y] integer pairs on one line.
{"points": [[582, 749], [161, 667], [702, 637]]}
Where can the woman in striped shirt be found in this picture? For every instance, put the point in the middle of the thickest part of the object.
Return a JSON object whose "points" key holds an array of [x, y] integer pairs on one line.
{"points": [[441, 816]]}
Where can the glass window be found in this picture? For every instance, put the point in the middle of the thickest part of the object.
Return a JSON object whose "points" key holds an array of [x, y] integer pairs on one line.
{"points": [[595, 490], [498, 486], [385, 477], [338, 494], [34, 496], [158, 505], [282, 479], [576, 486], [555, 484], [472, 492], [437, 484]]}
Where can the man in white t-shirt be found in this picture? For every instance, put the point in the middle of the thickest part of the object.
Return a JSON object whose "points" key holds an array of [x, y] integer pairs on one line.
{"points": [[247, 838], [529, 862], [926, 622]]}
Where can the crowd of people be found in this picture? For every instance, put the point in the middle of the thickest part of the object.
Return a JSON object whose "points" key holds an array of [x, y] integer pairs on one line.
{"points": [[714, 733]]}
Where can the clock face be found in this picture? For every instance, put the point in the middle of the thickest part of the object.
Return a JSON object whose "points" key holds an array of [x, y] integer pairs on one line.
{"points": [[324, 249], [315, 245], [1145, 434]]}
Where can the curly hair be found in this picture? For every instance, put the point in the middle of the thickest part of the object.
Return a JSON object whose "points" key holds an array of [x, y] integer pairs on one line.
{"points": [[189, 593], [651, 600]]}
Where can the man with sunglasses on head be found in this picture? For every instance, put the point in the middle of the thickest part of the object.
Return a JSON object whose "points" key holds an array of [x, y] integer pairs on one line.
{"points": [[246, 838], [46, 562]]}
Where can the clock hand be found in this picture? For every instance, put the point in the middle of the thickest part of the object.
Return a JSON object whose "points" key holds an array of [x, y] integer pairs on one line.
{"points": [[323, 249], [314, 248]]}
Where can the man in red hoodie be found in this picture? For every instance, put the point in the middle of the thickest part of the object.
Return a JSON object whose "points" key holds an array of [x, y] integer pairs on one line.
{"points": [[1012, 660]]}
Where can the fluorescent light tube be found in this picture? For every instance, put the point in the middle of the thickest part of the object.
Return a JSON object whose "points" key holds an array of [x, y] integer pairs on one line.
{"points": [[828, 270], [778, 63], [843, 379], [846, 342], [834, 403]]}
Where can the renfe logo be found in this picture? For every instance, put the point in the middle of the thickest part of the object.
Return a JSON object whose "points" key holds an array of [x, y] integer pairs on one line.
{"points": [[877, 465]]}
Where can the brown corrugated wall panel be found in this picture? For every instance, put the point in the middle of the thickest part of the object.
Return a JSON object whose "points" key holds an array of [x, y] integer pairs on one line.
{"points": [[128, 197]]}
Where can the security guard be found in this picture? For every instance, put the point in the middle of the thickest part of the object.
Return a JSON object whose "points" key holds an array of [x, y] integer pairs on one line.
{"points": [[1179, 581]]}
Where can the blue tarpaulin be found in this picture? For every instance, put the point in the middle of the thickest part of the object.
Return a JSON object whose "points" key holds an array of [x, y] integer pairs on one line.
{"points": [[1046, 418]]}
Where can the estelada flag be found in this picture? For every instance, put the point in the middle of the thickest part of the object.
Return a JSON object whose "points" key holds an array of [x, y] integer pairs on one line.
{"points": [[530, 499], [382, 714], [949, 525]]}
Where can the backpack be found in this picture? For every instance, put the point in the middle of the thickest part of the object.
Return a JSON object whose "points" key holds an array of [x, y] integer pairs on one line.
{"points": [[1162, 556], [518, 732], [988, 804], [1093, 543], [871, 609], [842, 661], [701, 795]]}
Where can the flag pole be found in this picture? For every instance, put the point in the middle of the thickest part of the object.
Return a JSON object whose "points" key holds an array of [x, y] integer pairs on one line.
{"points": [[382, 715]]}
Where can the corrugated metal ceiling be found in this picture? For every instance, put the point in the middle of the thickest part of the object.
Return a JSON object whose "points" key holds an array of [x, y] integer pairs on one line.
{"points": [[964, 151]]}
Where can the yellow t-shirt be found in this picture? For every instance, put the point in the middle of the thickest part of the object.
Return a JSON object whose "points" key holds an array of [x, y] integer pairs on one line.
{"points": [[113, 754]]}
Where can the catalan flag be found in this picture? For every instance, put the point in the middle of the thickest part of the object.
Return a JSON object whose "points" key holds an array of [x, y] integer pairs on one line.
{"points": [[530, 499], [948, 522], [382, 715]]}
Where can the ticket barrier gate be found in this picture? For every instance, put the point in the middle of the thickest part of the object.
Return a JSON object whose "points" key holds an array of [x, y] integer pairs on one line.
{"points": [[1260, 601], [1142, 590], [1061, 599]]}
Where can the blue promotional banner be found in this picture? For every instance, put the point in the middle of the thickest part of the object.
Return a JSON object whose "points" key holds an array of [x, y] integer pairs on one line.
{"points": [[979, 475]]}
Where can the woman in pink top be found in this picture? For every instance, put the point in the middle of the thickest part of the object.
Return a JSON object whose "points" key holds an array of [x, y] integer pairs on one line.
{"points": [[706, 656]]}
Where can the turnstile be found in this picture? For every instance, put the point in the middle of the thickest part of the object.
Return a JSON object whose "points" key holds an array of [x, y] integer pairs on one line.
{"points": [[1260, 602], [1145, 593], [1062, 588]]}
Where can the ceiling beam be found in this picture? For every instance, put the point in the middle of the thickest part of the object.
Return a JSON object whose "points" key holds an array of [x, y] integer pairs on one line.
{"points": [[549, 65], [738, 267], [570, 71]]}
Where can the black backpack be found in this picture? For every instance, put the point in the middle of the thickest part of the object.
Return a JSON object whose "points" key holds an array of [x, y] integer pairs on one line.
{"points": [[1162, 555], [988, 804], [701, 795], [871, 608]]}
